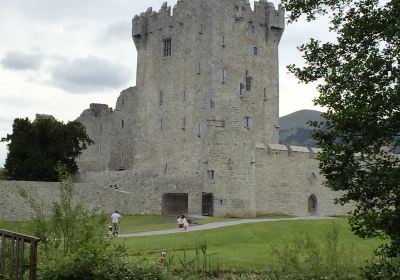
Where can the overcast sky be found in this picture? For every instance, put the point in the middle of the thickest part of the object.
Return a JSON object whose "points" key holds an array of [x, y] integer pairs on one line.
{"points": [[58, 56]]}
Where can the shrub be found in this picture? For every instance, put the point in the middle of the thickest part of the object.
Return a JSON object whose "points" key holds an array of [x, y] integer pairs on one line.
{"points": [[383, 269]]}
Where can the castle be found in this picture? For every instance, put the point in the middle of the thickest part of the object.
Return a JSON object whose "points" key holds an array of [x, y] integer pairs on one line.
{"points": [[199, 133]]}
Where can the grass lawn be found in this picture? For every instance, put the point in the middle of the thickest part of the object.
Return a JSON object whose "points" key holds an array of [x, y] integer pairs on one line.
{"points": [[140, 223], [248, 246]]}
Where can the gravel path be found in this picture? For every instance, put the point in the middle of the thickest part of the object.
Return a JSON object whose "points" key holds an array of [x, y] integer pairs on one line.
{"points": [[219, 225]]}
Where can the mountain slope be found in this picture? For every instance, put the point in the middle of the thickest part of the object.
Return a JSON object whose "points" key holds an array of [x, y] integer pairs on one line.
{"points": [[294, 129]]}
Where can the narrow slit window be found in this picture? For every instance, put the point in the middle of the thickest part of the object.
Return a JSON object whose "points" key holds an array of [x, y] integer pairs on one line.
{"points": [[255, 50], [184, 123], [199, 130], [198, 68], [212, 104], [265, 93], [161, 98], [184, 95], [241, 88], [223, 41], [122, 124], [167, 47], [223, 75], [161, 125], [248, 81], [247, 122], [211, 175]]}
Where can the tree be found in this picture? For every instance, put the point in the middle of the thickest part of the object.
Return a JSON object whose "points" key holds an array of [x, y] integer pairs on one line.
{"points": [[36, 148], [3, 174], [358, 77]]}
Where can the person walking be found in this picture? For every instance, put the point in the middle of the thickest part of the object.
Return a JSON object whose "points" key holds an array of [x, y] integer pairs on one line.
{"points": [[115, 219]]}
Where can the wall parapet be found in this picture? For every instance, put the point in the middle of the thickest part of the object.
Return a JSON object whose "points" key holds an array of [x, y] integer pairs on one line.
{"points": [[264, 13]]}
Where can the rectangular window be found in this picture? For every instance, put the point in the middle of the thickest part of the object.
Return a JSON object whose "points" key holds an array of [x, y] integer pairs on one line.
{"points": [[255, 51], [248, 83], [241, 89], [183, 123], [211, 175], [198, 68], [212, 104], [253, 29], [247, 122], [223, 41], [122, 124], [265, 94], [167, 47], [161, 98], [223, 75], [184, 95], [161, 125]]}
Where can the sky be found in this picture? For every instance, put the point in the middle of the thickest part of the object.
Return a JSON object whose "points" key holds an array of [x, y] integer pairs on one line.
{"points": [[57, 57]]}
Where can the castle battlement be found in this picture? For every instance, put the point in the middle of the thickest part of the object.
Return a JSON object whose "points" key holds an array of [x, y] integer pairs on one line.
{"points": [[290, 150], [264, 14]]}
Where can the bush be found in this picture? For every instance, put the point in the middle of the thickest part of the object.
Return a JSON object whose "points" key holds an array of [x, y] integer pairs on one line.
{"points": [[383, 269], [96, 263]]}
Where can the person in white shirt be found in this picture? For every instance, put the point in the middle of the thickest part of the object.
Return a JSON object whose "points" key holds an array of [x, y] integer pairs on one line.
{"points": [[115, 219]]}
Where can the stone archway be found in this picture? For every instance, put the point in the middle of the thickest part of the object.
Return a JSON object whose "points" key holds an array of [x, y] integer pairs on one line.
{"points": [[312, 205]]}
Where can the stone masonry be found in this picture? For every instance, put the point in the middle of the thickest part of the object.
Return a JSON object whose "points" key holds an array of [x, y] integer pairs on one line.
{"points": [[199, 132]]}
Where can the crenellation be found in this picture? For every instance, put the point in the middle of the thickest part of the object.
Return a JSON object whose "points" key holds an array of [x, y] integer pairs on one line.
{"points": [[299, 152], [203, 118]]}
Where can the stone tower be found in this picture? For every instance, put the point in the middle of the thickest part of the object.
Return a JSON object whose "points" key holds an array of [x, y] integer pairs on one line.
{"points": [[206, 95]]}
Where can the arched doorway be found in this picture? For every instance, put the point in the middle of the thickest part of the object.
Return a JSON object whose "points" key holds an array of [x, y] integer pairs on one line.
{"points": [[312, 205]]}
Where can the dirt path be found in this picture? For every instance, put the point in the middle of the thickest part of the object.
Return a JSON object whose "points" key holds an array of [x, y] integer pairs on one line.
{"points": [[219, 225]]}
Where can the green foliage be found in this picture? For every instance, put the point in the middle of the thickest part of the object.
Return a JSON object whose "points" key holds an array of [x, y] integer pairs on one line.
{"points": [[359, 87], [383, 269], [94, 262], [35, 148], [3, 175], [304, 258]]}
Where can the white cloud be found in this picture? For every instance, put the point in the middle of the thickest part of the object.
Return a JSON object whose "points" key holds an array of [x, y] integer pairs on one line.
{"points": [[15, 60], [90, 74]]}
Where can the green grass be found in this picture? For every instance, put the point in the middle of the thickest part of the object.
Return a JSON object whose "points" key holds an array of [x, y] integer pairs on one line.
{"points": [[142, 223], [20, 227], [247, 246]]}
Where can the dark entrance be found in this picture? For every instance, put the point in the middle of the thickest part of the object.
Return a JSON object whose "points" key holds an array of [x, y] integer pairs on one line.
{"points": [[312, 205], [175, 204], [207, 204]]}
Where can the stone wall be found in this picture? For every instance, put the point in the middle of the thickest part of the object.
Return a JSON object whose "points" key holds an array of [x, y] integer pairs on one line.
{"points": [[287, 177]]}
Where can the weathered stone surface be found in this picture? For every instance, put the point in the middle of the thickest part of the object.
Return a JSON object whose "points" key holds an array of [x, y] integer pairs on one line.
{"points": [[188, 126]]}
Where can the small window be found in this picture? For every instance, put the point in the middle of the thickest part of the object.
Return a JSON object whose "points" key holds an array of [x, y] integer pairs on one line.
{"points": [[212, 104], [167, 47], [241, 89], [210, 175], [184, 123], [223, 75], [198, 68], [123, 102], [253, 29], [201, 29], [184, 95], [247, 122], [223, 41], [122, 123], [265, 93], [199, 130], [248, 83], [161, 125], [255, 50]]}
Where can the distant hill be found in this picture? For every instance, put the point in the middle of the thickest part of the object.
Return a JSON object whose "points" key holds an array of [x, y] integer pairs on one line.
{"points": [[294, 129]]}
